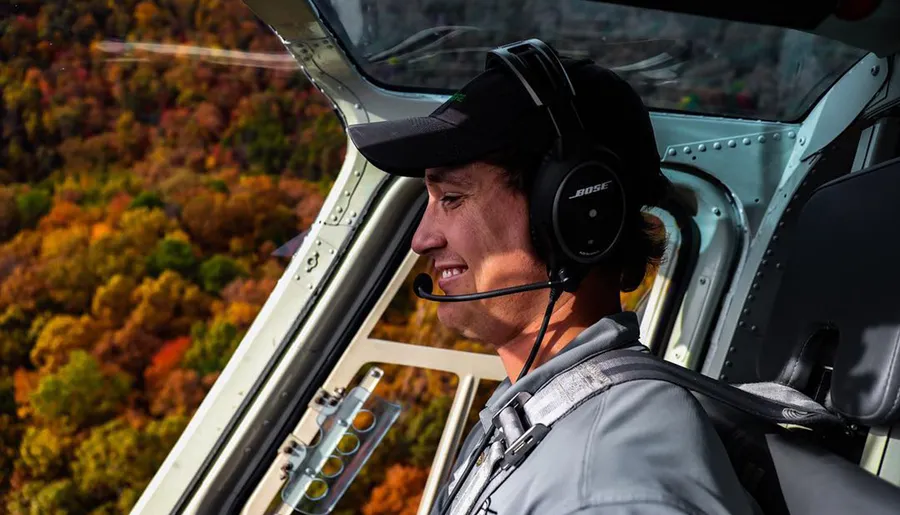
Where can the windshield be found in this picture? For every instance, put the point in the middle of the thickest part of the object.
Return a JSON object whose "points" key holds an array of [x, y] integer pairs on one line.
{"points": [[676, 62]]}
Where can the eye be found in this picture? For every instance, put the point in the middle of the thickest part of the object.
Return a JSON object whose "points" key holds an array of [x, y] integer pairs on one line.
{"points": [[450, 199]]}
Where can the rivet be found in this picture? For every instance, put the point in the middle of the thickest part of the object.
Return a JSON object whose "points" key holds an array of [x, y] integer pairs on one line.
{"points": [[717, 146], [298, 277], [716, 211], [319, 242], [686, 150], [731, 143], [759, 275], [746, 141], [755, 286], [334, 218], [803, 141], [331, 251], [356, 106], [791, 135], [750, 297], [765, 262], [780, 224], [753, 328], [728, 364], [746, 311], [778, 266], [732, 349], [741, 323], [672, 151], [723, 377], [356, 173], [701, 147], [776, 136], [346, 193], [768, 252], [339, 209], [703, 280], [775, 238], [875, 70], [761, 139], [352, 214], [313, 80]]}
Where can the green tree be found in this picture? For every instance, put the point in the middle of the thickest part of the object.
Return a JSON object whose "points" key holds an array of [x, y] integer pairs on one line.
{"points": [[79, 393], [217, 271], [32, 205], [211, 347], [172, 254], [147, 199]]}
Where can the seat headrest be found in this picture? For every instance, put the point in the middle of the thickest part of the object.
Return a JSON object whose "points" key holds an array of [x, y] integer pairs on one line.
{"points": [[843, 273]]}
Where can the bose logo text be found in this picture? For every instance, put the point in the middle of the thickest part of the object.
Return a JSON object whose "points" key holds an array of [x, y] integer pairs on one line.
{"points": [[591, 189]]}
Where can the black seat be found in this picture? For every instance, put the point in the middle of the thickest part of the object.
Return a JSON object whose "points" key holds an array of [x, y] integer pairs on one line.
{"points": [[834, 335]]}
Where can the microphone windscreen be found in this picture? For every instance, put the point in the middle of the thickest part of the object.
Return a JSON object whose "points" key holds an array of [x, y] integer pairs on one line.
{"points": [[423, 283]]}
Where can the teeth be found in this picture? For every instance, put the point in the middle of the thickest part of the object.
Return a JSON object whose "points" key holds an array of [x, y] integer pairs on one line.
{"points": [[450, 272]]}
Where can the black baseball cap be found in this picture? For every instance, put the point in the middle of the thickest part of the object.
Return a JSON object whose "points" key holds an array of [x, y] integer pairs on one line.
{"points": [[494, 112]]}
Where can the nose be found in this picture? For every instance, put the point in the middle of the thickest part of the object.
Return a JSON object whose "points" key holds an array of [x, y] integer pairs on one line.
{"points": [[428, 237]]}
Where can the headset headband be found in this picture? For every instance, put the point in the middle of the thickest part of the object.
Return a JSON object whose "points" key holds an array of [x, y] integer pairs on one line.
{"points": [[543, 76]]}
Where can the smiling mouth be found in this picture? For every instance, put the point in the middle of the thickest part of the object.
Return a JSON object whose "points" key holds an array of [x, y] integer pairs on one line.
{"points": [[452, 272], [449, 275]]}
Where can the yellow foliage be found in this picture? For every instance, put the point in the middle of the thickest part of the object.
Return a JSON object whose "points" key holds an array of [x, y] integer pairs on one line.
{"points": [[144, 227], [168, 303], [61, 335], [112, 302], [63, 243], [241, 314]]}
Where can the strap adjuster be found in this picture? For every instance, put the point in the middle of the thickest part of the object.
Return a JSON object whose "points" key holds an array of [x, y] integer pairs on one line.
{"points": [[519, 440]]}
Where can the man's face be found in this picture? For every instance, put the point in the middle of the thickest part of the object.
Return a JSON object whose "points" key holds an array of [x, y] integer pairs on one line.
{"points": [[475, 229]]}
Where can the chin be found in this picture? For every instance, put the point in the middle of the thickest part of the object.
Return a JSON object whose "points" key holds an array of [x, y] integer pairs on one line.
{"points": [[453, 316]]}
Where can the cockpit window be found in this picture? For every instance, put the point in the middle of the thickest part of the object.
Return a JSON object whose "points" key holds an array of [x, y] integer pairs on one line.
{"points": [[676, 62]]}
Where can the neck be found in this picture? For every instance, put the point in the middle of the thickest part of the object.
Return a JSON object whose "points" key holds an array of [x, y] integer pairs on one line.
{"points": [[569, 318]]}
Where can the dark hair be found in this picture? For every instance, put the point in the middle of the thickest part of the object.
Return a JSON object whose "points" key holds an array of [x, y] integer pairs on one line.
{"points": [[642, 243]]}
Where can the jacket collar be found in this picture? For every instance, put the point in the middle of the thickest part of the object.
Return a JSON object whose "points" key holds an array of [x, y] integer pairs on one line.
{"points": [[612, 332]]}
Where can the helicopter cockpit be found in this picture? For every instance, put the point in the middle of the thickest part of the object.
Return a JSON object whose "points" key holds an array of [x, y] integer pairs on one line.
{"points": [[780, 131]]}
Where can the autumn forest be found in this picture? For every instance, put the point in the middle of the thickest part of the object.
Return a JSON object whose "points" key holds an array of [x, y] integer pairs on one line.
{"points": [[142, 199]]}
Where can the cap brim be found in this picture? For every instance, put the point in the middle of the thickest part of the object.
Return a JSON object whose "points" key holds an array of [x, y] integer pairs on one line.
{"points": [[410, 146]]}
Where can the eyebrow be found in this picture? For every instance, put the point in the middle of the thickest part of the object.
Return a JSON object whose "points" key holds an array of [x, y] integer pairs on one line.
{"points": [[452, 176]]}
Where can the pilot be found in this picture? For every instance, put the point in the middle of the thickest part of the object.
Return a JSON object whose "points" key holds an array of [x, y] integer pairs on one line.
{"points": [[642, 447]]}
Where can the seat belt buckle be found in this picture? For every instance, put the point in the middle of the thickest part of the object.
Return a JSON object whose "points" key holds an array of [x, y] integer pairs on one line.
{"points": [[519, 441]]}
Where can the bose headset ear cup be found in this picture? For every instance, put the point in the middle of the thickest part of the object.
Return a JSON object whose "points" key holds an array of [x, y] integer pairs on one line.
{"points": [[577, 210]]}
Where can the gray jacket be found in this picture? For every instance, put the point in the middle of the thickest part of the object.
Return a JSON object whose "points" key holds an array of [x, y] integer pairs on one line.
{"points": [[642, 447]]}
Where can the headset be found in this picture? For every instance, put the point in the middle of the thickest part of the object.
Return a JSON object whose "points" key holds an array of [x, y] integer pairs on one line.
{"points": [[577, 203]]}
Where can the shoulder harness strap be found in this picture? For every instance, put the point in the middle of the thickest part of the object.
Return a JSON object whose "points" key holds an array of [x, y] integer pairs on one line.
{"points": [[526, 419]]}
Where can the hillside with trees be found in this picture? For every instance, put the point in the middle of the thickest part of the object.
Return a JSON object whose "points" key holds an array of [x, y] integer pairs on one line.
{"points": [[141, 199]]}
